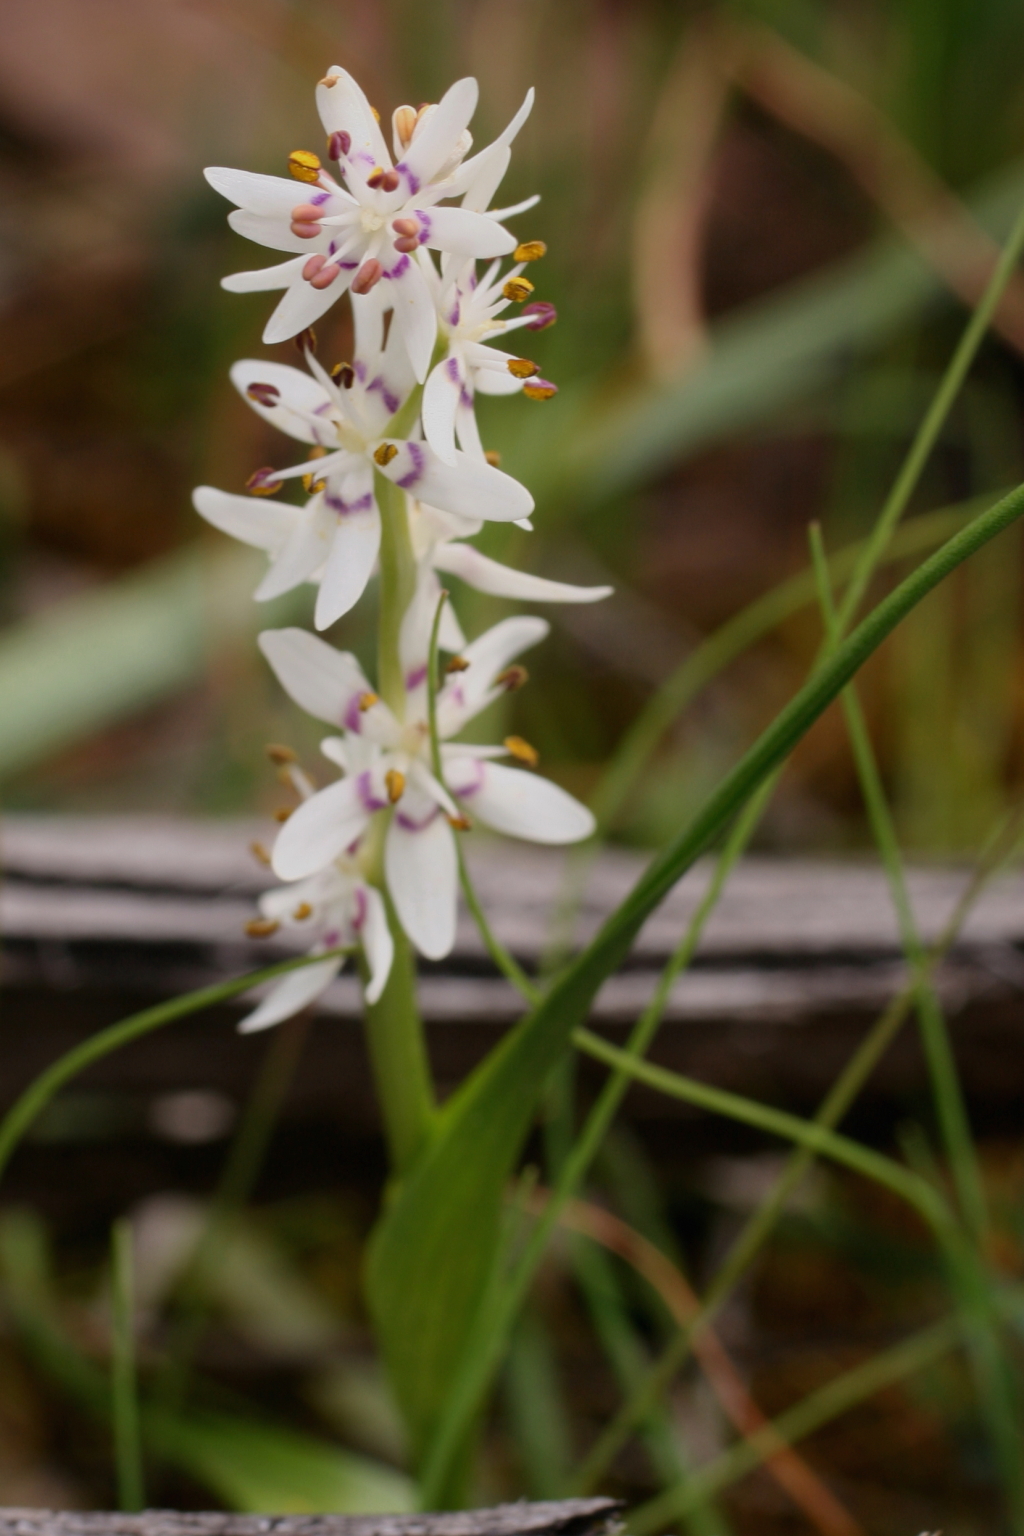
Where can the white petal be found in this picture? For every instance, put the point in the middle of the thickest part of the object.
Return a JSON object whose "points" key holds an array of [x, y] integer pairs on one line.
{"points": [[321, 680], [465, 233], [305, 551], [256, 520], [496, 381], [468, 431], [519, 803], [294, 991], [321, 828], [470, 487], [300, 398], [441, 397], [415, 317], [378, 945], [302, 305], [469, 170], [264, 278], [275, 233], [489, 171], [350, 563], [438, 136], [468, 692], [497, 580], [275, 196], [344, 108], [422, 875]]}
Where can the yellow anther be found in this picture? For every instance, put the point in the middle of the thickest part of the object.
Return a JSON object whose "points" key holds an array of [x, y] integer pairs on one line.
{"points": [[367, 701], [493, 457], [311, 484], [405, 122], [280, 754], [261, 927], [541, 390], [457, 664], [344, 375], [385, 453], [522, 751], [376, 114], [261, 483], [330, 81], [259, 853], [517, 289], [302, 911], [282, 813], [304, 165], [460, 823], [512, 678], [521, 368], [395, 782], [530, 250]]}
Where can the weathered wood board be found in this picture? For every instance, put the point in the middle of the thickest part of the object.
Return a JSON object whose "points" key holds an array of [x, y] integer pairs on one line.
{"points": [[569, 1517]]}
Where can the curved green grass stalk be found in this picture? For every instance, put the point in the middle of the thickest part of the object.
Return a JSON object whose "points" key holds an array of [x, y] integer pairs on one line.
{"points": [[123, 1383], [917, 1191], [969, 1275], [753, 1235], [31, 1103]]}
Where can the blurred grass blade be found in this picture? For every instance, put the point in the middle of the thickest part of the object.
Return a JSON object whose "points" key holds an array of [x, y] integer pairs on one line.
{"points": [[123, 1382], [73, 668], [432, 1255]]}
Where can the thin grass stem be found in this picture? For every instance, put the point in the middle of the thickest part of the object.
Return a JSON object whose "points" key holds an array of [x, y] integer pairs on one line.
{"points": [[123, 1382]]}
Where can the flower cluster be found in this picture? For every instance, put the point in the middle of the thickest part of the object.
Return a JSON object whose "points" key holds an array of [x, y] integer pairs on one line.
{"points": [[391, 435]]}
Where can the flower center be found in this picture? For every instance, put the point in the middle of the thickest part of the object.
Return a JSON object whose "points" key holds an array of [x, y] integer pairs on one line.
{"points": [[370, 221]]}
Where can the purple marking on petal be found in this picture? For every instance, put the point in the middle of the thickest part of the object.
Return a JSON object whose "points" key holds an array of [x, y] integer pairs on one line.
{"points": [[323, 408], [331, 939], [411, 179], [476, 783], [398, 270], [347, 508], [414, 678], [410, 824], [391, 401], [359, 915], [419, 461], [348, 266], [364, 787], [352, 719], [451, 368], [319, 198], [465, 398], [455, 314], [360, 370], [332, 247]]}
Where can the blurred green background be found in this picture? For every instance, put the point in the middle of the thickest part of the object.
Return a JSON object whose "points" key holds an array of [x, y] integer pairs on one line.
{"points": [[763, 221]]}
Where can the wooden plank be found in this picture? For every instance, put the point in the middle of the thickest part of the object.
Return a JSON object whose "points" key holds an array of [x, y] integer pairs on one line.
{"points": [[568, 1517]]}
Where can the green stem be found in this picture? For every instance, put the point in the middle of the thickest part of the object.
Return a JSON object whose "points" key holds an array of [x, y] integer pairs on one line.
{"points": [[398, 1055], [837, 1397], [123, 1385], [30, 1104], [397, 585], [934, 420]]}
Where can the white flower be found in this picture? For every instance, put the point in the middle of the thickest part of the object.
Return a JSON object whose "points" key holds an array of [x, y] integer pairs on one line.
{"points": [[386, 762], [335, 538], [468, 315], [373, 227], [338, 910], [437, 544]]}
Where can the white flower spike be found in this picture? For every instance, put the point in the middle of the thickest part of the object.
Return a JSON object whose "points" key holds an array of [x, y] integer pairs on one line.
{"points": [[386, 765], [369, 226]]}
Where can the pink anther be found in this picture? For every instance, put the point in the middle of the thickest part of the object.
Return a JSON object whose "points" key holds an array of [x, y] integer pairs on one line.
{"points": [[368, 276], [325, 276], [313, 267], [338, 145]]}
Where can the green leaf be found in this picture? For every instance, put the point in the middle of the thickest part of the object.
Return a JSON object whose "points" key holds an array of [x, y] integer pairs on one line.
{"points": [[433, 1255], [265, 1469]]}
